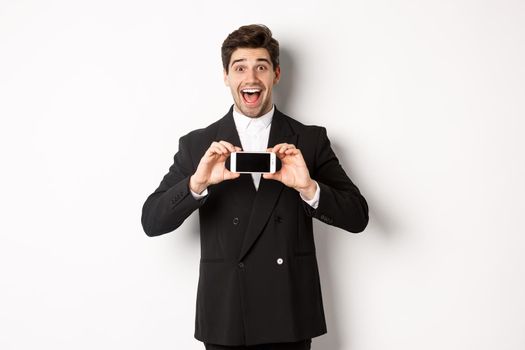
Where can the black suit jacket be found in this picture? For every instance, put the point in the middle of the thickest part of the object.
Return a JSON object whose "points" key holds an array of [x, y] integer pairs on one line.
{"points": [[259, 280]]}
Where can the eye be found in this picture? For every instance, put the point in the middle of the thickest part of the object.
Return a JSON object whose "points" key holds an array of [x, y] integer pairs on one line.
{"points": [[261, 68], [239, 69]]}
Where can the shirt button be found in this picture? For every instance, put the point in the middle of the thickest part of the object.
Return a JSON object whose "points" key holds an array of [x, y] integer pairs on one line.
{"points": [[241, 265], [280, 261], [235, 221]]}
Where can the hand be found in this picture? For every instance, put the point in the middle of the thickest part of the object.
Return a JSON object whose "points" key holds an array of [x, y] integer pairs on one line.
{"points": [[211, 169], [294, 172]]}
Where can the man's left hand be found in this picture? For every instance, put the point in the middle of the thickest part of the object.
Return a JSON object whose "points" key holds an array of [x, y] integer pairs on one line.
{"points": [[294, 172]]}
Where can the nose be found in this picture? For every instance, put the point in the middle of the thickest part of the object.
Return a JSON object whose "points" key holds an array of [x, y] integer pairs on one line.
{"points": [[252, 75]]}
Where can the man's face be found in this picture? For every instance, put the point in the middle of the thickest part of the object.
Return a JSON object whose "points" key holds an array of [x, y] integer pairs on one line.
{"points": [[251, 78]]}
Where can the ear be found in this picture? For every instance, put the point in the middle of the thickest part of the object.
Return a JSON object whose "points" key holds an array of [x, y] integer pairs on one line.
{"points": [[226, 81], [277, 75]]}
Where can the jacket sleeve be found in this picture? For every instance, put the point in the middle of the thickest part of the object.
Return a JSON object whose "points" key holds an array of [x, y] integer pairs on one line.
{"points": [[172, 202], [340, 202]]}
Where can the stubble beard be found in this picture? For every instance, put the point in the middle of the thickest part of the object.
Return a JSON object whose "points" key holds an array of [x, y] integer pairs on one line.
{"points": [[263, 109]]}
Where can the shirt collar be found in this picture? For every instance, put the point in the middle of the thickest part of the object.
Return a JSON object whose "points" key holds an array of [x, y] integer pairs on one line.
{"points": [[242, 122]]}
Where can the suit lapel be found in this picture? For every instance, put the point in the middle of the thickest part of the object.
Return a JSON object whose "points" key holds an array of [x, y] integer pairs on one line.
{"points": [[227, 130], [269, 190]]}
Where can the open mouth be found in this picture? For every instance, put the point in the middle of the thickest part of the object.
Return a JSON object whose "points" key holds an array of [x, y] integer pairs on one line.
{"points": [[251, 95]]}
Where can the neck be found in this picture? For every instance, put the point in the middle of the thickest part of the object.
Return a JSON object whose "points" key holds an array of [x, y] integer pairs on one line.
{"points": [[267, 110]]}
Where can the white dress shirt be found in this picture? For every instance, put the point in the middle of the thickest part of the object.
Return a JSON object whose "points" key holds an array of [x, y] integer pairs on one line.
{"points": [[254, 134]]}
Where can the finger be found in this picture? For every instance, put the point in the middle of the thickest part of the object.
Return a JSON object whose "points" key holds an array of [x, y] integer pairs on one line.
{"points": [[224, 148], [283, 149], [276, 148], [286, 147], [292, 151], [219, 148], [238, 149], [273, 150], [281, 156], [213, 152], [214, 148], [229, 146]]}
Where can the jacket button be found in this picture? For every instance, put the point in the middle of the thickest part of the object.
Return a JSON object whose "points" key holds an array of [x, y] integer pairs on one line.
{"points": [[241, 265], [235, 221], [280, 261]]}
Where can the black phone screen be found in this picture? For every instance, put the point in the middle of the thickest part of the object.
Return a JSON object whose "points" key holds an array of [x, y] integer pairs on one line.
{"points": [[253, 162]]}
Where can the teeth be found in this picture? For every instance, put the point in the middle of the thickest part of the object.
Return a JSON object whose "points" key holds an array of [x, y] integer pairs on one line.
{"points": [[251, 91]]}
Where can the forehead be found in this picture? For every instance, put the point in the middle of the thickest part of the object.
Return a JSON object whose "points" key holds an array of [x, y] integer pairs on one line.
{"points": [[249, 54]]}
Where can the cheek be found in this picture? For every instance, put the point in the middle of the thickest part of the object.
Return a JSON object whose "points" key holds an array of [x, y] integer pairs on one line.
{"points": [[271, 80], [234, 84]]}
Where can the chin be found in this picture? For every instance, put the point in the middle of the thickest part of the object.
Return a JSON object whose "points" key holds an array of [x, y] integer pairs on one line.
{"points": [[249, 112], [253, 114]]}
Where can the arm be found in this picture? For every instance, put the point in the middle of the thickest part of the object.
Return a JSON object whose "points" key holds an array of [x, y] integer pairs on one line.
{"points": [[172, 202], [340, 203]]}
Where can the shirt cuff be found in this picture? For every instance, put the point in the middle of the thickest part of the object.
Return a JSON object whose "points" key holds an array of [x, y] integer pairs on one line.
{"points": [[199, 196], [314, 202]]}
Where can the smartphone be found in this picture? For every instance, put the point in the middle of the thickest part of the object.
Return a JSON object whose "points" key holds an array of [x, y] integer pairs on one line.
{"points": [[253, 162]]}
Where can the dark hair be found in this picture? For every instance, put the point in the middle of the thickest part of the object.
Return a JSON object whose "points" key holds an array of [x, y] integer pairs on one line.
{"points": [[250, 36]]}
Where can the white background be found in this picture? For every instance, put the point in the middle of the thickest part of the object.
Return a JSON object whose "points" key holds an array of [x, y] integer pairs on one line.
{"points": [[423, 102]]}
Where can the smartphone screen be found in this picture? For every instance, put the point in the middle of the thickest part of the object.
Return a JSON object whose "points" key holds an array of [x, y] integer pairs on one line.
{"points": [[253, 162]]}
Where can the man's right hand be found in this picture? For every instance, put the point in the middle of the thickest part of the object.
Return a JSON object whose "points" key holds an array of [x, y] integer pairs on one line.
{"points": [[211, 169]]}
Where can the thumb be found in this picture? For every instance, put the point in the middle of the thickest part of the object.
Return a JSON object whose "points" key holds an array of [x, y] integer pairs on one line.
{"points": [[228, 175], [274, 176]]}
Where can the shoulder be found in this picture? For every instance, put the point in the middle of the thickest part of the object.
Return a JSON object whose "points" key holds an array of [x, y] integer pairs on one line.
{"points": [[203, 135], [303, 129]]}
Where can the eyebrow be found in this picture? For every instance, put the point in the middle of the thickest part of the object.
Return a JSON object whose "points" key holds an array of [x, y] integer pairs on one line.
{"points": [[258, 60]]}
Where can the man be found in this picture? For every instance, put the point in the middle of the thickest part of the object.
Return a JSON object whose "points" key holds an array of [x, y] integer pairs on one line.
{"points": [[259, 283]]}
